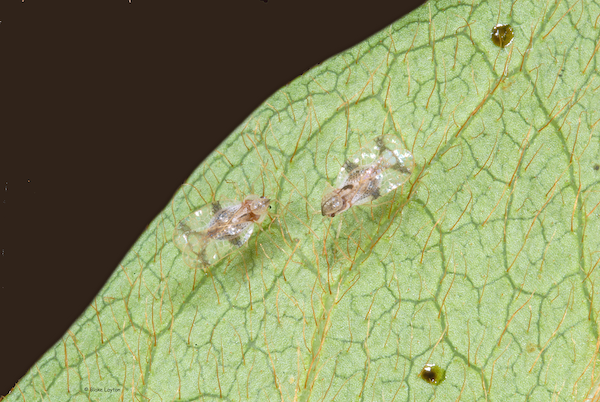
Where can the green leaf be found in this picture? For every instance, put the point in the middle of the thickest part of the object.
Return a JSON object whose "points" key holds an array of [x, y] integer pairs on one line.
{"points": [[484, 263]]}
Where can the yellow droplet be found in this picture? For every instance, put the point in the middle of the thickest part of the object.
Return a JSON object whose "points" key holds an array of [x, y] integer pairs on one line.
{"points": [[502, 35], [433, 374]]}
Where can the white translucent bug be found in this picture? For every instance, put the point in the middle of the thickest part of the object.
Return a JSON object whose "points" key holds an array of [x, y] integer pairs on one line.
{"points": [[212, 232], [379, 167]]}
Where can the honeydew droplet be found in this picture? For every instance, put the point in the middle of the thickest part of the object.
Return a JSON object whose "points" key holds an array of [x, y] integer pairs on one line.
{"points": [[502, 35], [433, 374]]}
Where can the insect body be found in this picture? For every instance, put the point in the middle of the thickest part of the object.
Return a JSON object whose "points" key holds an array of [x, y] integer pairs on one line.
{"points": [[376, 169], [212, 232]]}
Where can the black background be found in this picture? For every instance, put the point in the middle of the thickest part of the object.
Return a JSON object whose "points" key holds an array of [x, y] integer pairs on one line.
{"points": [[106, 108]]}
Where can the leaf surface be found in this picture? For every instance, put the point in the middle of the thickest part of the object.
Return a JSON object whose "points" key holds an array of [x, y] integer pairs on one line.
{"points": [[484, 263]]}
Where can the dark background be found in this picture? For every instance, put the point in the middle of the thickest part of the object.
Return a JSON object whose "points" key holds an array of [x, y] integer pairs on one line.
{"points": [[106, 108]]}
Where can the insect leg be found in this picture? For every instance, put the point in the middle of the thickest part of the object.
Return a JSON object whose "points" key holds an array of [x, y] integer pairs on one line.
{"points": [[216, 207], [380, 144], [349, 166], [236, 241], [401, 168], [375, 193]]}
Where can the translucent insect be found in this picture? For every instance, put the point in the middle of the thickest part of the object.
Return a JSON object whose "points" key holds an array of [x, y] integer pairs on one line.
{"points": [[212, 232], [376, 169]]}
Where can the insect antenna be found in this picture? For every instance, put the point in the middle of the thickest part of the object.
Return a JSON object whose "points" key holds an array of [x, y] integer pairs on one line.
{"points": [[238, 192]]}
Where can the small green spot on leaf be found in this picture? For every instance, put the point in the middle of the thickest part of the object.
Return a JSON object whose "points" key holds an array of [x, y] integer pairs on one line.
{"points": [[502, 35], [531, 347], [433, 374]]}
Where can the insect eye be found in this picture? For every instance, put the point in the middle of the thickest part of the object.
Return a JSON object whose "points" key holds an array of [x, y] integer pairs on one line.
{"points": [[270, 207]]}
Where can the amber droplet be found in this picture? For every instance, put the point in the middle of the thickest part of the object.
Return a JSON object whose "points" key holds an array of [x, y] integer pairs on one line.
{"points": [[502, 35], [433, 374]]}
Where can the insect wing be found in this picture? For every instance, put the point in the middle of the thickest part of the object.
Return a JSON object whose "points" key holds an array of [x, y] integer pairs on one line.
{"points": [[217, 249], [194, 237], [379, 167], [195, 222], [397, 162], [364, 157], [193, 250]]}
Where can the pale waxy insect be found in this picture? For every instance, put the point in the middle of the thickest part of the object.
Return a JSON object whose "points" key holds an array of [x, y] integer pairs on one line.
{"points": [[209, 234], [379, 167]]}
